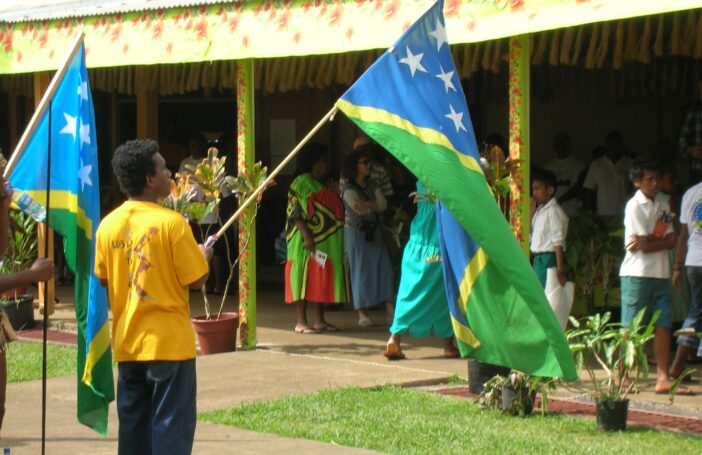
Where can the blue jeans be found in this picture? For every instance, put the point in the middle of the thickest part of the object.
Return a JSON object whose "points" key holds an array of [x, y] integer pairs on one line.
{"points": [[156, 407], [694, 313]]}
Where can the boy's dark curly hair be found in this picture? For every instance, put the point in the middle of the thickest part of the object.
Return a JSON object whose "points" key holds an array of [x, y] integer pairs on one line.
{"points": [[132, 163], [640, 166], [350, 170]]}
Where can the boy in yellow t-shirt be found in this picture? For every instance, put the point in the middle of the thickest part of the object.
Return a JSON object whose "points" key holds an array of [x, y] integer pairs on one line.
{"points": [[148, 259]]}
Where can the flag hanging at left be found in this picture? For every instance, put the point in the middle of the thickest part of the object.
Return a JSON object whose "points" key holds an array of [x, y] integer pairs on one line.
{"points": [[74, 213]]}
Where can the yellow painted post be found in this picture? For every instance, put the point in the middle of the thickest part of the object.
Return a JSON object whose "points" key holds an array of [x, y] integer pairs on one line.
{"points": [[519, 100], [245, 160]]}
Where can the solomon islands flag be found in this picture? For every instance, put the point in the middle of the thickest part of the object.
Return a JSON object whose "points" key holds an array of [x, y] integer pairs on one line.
{"points": [[411, 102], [75, 214]]}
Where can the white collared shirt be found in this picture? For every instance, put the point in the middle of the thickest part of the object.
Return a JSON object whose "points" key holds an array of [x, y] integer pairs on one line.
{"points": [[611, 183], [640, 217], [549, 227]]}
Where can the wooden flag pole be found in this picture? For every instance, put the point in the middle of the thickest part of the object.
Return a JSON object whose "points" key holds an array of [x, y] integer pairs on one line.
{"points": [[41, 107], [328, 116]]}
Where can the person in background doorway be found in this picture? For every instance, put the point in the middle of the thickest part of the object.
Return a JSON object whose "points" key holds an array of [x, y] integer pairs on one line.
{"points": [[549, 227], [690, 140], [570, 173], [607, 179], [688, 261], [369, 263], [645, 270], [314, 270]]}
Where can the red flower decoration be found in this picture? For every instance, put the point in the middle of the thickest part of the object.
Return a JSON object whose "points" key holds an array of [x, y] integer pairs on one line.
{"points": [[516, 5], [201, 28], [452, 8], [283, 20]]}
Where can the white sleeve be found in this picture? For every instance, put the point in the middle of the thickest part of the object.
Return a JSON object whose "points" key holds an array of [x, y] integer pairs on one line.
{"points": [[558, 226], [635, 220], [685, 209], [590, 179], [380, 200]]}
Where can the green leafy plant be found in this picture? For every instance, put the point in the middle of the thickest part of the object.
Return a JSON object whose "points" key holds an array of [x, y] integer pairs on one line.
{"points": [[499, 170], [598, 343], [525, 386], [197, 194], [594, 251], [22, 244]]}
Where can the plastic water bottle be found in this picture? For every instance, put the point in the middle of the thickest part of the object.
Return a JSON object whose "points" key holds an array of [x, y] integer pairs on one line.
{"points": [[26, 203]]}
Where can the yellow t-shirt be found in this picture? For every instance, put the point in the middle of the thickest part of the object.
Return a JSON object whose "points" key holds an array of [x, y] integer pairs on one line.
{"points": [[148, 256]]}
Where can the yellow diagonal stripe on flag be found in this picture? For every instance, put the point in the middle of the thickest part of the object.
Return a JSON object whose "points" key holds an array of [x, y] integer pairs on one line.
{"points": [[98, 346], [67, 201], [428, 135]]}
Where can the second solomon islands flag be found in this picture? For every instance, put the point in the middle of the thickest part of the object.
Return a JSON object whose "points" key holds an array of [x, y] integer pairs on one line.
{"points": [[411, 102]]}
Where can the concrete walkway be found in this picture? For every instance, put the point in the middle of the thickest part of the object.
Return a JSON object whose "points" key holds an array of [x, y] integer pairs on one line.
{"points": [[284, 364]]}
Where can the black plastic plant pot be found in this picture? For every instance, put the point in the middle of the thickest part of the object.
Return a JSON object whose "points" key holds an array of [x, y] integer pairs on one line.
{"points": [[611, 415], [20, 311], [479, 373], [526, 405]]}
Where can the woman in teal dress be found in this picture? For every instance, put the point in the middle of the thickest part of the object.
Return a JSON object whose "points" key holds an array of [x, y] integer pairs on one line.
{"points": [[421, 305]]}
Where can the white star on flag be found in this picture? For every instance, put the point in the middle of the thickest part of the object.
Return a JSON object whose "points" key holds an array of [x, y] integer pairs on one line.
{"points": [[457, 118], [440, 35], [84, 134], [413, 61], [70, 127], [84, 175], [446, 78], [83, 90]]}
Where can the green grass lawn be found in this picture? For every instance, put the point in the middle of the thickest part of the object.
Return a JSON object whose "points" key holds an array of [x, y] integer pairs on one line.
{"points": [[24, 361], [396, 420]]}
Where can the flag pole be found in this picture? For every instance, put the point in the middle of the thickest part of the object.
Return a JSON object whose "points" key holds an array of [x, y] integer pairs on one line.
{"points": [[329, 116], [43, 104], [46, 290]]}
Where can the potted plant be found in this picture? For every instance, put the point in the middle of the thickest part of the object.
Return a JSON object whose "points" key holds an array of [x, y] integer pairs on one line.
{"points": [[21, 252], [594, 251], [216, 329], [598, 343], [515, 394]]}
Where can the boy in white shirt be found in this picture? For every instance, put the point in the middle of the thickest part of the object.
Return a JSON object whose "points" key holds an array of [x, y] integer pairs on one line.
{"points": [[645, 270], [549, 226]]}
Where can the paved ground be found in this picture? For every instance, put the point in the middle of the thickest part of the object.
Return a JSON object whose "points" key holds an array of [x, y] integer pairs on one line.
{"points": [[284, 364]]}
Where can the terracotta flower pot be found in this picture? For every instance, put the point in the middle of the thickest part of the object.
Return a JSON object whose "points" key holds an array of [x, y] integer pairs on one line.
{"points": [[216, 335]]}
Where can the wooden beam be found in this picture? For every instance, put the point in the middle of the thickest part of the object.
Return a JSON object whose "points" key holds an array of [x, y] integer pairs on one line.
{"points": [[41, 84], [147, 115]]}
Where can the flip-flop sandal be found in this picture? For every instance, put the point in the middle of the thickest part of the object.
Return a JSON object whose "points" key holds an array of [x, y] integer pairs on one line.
{"points": [[397, 355], [366, 322], [681, 391], [307, 330], [328, 328]]}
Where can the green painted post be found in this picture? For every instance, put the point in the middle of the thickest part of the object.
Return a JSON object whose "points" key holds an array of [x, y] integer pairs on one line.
{"points": [[245, 160]]}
